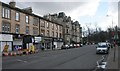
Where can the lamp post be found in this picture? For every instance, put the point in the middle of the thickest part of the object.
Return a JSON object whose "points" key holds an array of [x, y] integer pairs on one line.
{"points": [[112, 19], [113, 36]]}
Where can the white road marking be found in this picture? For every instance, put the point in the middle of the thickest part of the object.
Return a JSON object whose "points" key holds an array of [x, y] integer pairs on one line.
{"points": [[21, 60]]}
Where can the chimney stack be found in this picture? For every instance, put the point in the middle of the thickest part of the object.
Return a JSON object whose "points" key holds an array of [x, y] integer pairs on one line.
{"points": [[12, 3]]}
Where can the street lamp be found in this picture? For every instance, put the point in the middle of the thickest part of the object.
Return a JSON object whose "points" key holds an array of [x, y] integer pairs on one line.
{"points": [[112, 19], [113, 38]]}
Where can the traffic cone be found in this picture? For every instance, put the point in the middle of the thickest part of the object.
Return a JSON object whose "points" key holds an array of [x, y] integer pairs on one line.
{"points": [[11, 54], [5, 54], [27, 51], [14, 54]]}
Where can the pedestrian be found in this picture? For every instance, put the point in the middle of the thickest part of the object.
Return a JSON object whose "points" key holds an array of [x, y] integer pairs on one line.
{"points": [[54, 47], [42, 47]]}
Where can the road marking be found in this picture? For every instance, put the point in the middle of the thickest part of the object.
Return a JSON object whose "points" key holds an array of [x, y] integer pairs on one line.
{"points": [[21, 60]]}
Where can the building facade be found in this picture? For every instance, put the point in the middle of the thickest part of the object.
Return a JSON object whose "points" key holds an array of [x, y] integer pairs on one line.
{"points": [[22, 28], [72, 31]]}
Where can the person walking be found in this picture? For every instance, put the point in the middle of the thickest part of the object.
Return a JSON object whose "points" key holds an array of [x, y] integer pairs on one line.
{"points": [[42, 47]]}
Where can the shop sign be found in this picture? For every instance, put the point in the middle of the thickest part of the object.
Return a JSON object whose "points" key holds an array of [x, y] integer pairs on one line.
{"points": [[37, 39], [6, 37]]}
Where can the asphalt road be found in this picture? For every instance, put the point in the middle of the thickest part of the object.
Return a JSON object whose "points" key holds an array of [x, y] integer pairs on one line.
{"points": [[76, 58]]}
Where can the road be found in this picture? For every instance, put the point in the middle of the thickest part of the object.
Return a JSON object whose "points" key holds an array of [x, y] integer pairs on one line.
{"points": [[76, 58]]}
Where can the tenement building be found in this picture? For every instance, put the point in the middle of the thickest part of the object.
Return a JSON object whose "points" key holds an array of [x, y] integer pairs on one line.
{"points": [[72, 31], [22, 28]]}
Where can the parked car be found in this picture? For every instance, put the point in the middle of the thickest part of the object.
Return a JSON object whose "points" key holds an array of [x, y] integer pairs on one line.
{"points": [[81, 45], [65, 46], [71, 46], [102, 48]]}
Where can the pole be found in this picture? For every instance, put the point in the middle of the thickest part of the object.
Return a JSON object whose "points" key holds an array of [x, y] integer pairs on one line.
{"points": [[114, 51], [115, 43]]}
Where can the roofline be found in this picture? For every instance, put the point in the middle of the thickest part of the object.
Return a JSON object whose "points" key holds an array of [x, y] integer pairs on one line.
{"points": [[20, 10]]}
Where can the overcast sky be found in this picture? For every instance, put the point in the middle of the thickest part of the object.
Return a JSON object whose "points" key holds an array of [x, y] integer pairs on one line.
{"points": [[87, 12]]}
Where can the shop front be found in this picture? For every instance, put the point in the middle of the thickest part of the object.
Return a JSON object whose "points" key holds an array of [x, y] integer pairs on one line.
{"points": [[28, 40], [17, 41], [58, 42], [37, 42], [48, 43], [6, 42]]}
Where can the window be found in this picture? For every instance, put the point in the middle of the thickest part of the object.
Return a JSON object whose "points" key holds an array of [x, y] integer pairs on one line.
{"points": [[60, 35], [6, 13], [53, 26], [67, 31], [56, 34], [47, 32], [17, 17], [17, 28], [60, 28], [47, 25], [3, 12], [36, 20], [56, 27], [3, 28], [35, 31], [52, 33], [27, 29], [27, 19], [6, 27], [42, 32], [42, 23]]}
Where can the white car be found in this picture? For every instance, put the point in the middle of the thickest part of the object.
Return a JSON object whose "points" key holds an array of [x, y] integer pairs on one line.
{"points": [[102, 48], [65, 47]]}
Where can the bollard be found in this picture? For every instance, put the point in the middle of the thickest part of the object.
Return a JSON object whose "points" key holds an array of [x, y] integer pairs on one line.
{"points": [[5, 54]]}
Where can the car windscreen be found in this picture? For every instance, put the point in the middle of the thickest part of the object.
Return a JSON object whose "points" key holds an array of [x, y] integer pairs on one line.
{"points": [[102, 46]]}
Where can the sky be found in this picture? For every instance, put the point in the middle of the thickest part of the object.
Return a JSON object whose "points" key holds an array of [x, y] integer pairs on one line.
{"points": [[92, 13]]}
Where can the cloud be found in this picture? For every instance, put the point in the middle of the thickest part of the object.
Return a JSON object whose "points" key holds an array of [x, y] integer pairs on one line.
{"points": [[112, 16], [59, 0], [74, 8], [88, 9]]}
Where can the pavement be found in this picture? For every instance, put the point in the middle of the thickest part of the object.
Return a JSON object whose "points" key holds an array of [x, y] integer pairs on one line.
{"points": [[112, 64]]}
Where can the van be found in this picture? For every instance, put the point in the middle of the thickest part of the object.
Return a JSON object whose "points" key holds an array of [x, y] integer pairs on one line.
{"points": [[102, 47]]}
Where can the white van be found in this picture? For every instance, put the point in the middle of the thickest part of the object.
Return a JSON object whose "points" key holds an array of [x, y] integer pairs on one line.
{"points": [[102, 48]]}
